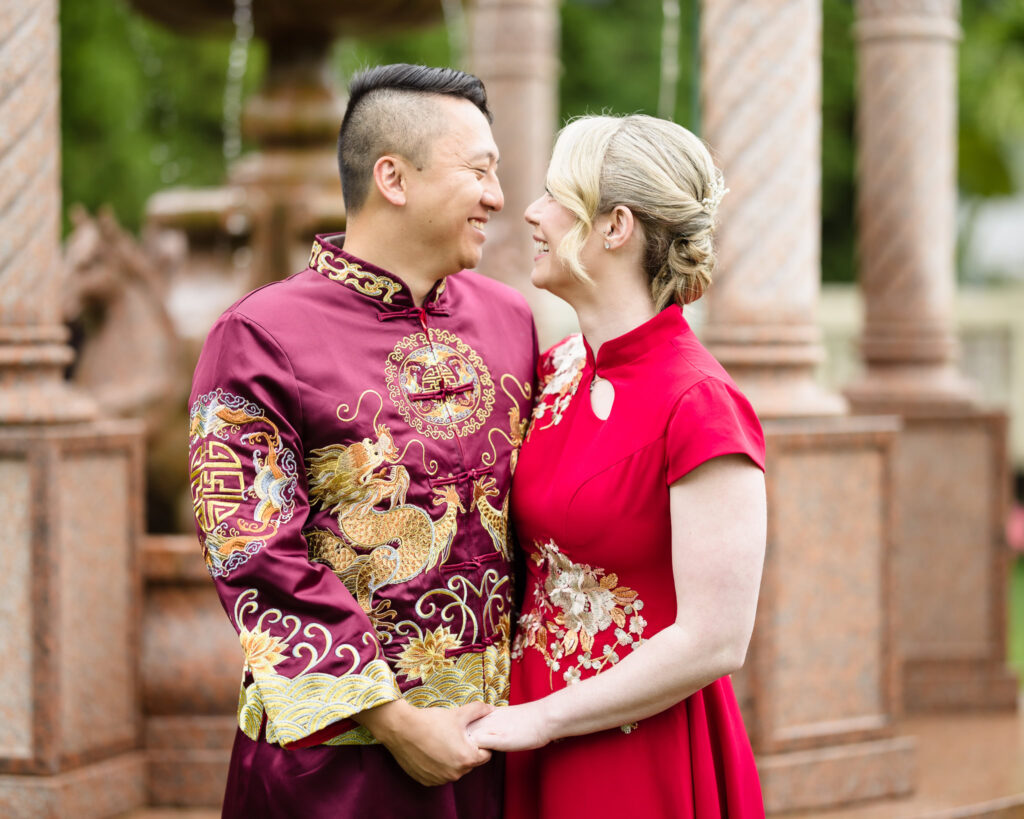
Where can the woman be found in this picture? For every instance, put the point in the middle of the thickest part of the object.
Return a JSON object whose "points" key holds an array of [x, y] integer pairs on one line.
{"points": [[638, 500]]}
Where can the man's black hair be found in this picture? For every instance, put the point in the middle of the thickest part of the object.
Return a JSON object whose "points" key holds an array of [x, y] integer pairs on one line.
{"points": [[388, 111]]}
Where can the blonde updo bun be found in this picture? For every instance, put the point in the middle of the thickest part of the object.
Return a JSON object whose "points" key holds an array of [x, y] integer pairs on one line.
{"points": [[663, 174]]}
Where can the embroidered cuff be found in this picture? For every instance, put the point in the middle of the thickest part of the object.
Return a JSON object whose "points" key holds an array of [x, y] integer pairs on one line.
{"points": [[296, 708]]}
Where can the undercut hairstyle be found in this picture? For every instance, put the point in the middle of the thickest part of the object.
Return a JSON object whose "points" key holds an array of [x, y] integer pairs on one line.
{"points": [[659, 170], [392, 109]]}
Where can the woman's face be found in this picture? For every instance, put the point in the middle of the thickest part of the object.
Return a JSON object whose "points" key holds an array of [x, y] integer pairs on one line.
{"points": [[550, 222]]}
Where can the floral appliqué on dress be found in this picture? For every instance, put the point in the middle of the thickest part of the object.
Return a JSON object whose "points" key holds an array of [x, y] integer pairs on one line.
{"points": [[577, 603], [560, 374]]}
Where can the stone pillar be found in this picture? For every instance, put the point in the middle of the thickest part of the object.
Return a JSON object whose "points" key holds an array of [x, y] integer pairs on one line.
{"points": [[761, 99], [33, 341], [951, 479], [514, 50], [71, 492], [821, 689], [819, 696], [906, 205]]}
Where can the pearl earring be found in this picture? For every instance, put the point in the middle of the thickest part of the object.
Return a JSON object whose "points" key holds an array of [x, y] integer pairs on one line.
{"points": [[607, 246]]}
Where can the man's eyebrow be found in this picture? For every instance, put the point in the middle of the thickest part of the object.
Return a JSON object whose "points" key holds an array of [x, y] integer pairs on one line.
{"points": [[491, 156]]}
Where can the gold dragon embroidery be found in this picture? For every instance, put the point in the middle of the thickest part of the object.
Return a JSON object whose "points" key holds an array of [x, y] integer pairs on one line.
{"points": [[494, 521], [402, 539]]}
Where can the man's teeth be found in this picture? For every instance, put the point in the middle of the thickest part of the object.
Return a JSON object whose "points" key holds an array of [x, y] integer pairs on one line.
{"points": [[541, 247], [478, 224]]}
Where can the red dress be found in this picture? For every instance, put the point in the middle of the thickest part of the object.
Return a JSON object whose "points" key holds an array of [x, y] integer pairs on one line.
{"points": [[591, 510]]}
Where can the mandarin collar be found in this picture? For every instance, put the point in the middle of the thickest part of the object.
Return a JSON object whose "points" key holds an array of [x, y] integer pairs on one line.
{"points": [[384, 287], [632, 345]]}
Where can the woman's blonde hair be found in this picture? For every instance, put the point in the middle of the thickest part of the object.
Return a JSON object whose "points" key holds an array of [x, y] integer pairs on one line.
{"points": [[663, 174]]}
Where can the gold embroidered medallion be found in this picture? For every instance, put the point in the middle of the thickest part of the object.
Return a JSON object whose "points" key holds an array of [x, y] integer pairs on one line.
{"points": [[220, 423], [439, 384]]}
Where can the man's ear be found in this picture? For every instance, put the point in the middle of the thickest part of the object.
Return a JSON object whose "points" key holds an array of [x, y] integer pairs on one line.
{"points": [[389, 175]]}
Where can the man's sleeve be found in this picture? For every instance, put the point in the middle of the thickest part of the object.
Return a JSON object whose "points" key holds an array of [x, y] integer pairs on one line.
{"points": [[312, 657]]}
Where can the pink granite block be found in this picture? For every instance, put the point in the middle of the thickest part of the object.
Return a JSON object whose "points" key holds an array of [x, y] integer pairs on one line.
{"points": [[193, 778], [820, 689], [951, 564], [74, 607], [191, 660], [16, 730], [97, 593], [821, 670], [94, 791], [838, 775]]}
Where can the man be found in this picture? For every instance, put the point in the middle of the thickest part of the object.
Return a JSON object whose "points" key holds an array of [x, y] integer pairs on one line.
{"points": [[353, 435]]}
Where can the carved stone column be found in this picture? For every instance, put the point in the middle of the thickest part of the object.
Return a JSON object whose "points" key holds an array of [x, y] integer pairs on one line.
{"points": [[514, 50], [71, 492], [819, 698], [951, 476], [33, 340], [906, 204], [761, 92]]}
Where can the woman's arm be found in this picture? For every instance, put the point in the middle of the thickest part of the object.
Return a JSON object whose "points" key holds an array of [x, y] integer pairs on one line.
{"points": [[718, 539]]}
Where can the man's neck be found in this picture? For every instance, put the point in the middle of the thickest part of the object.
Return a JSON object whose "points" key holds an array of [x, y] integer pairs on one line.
{"points": [[394, 257]]}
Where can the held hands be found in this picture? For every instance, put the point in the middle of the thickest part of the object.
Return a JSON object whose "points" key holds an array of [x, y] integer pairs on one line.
{"points": [[516, 728], [431, 744]]}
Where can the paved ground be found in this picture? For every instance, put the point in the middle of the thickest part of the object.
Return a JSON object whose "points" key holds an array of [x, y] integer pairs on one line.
{"points": [[970, 766]]}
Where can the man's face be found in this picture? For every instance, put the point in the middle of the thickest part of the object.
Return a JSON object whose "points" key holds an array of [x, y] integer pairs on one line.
{"points": [[450, 200]]}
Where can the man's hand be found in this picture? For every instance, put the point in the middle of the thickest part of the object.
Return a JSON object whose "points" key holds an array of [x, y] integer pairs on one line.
{"points": [[431, 744]]}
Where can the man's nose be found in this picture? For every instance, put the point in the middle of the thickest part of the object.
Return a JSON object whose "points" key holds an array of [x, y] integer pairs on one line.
{"points": [[493, 196]]}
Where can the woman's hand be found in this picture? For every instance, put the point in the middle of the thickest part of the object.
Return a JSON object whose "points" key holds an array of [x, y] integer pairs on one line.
{"points": [[515, 728]]}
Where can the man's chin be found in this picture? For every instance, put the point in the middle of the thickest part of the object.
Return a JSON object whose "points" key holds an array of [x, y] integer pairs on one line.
{"points": [[471, 262]]}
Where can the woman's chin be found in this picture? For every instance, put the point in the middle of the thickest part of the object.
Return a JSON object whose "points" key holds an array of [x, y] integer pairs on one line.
{"points": [[539, 278]]}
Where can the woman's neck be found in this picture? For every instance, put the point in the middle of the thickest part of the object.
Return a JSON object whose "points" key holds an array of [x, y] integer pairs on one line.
{"points": [[609, 313]]}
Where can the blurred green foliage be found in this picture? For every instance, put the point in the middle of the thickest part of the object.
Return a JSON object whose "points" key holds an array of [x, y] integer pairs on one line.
{"points": [[838, 196], [142, 108], [991, 96], [1015, 622]]}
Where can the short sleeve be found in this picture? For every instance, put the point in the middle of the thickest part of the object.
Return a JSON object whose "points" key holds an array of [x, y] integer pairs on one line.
{"points": [[711, 418]]}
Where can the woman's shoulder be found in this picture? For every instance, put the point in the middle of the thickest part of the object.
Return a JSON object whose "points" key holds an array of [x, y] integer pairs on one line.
{"points": [[687, 363], [561, 363]]}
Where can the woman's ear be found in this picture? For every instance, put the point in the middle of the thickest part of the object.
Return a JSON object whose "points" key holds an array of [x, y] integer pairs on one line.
{"points": [[389, 177], [619, 227]]}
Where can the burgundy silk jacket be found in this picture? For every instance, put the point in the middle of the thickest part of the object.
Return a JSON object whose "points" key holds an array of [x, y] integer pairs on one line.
{"points": [[350, 459]]}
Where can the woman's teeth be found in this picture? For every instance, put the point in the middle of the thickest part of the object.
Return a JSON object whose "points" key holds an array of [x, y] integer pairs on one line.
{"points": [[540, 247]]}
